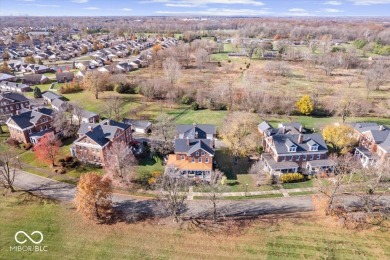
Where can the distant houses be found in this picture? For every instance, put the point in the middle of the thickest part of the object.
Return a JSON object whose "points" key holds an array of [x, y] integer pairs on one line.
{"points": [[14, 87], [139, 126]]}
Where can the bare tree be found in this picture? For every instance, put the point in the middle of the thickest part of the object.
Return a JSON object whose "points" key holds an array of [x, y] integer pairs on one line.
{"points": [[329, 62], [8, 162], [350, 79], [62, 121], [120, 163], [172, 70], [114, 107], [185, 53], [164, 132], [278, 67], [201, 57], [173, 193], [379, 73]]}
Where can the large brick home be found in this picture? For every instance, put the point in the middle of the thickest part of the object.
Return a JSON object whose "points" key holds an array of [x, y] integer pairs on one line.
{"points": [[28, 126], [194, 151], [10, 103], [290, 149], [95, 139], [374, 143]]}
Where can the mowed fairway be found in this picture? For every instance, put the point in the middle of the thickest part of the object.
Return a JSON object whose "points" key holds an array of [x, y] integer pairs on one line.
{"points": [[69, 236]]}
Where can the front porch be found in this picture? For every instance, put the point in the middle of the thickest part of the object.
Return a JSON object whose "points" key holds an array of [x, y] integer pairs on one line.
{"points": [[319, 166], [277, 168], [366, 157]]}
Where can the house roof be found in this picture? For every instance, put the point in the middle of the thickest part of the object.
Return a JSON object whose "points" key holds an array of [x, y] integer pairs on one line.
{"points": [[51, 95], [4, 76], [379, 133], [282, 142], [14, 96], [60, 76], [190, 146], [58, 102], [104, 132], [190, 131], [28, 118], [143, 124], [187, 166], [14, 85], [264, 126]]}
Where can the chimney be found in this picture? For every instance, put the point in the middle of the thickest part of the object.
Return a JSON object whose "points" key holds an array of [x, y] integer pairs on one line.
{"points": [[381, 128], [17, 112], [300, 138], [196, 134], [301, 129], [283, 130], [89, 128], [188, 141]]}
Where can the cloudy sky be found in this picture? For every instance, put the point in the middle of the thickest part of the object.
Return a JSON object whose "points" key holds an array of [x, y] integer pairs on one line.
{"points": [[195, 7]]}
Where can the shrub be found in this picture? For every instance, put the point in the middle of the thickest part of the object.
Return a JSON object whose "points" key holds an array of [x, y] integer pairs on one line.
{"points": [[155, 175], [229, 61], [194, 106], [291, 177], [70, 88], [13, 142], [186, 100], [68, 158], [27, 146], [125, 89]]}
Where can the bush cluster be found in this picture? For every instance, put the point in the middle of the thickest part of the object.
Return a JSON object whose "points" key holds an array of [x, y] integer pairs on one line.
{"points": [[291, 177]]}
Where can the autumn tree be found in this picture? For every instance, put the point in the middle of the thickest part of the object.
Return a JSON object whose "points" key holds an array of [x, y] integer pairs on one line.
{"points": [[95, 82], [48, 148], [340, 138], [239, 133], [172, 70], [379, 73], [29, 59], [93, 197], [185, 53], [4, 68], [305, 105], [84, 50], [8, 162], [6, 55], [62, 121], [120, 163]]}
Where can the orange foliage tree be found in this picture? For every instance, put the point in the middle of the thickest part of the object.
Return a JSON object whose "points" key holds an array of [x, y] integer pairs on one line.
{"points": [[93, 197], [48, 148]]}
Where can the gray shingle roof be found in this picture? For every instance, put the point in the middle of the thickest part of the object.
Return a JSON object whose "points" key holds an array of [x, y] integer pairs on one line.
{"points": [[30, 117], [189, 146], [190, 130], [137, 123], [264, 126], [104, 132], [281, 141], [14, 96], [50, 95]]}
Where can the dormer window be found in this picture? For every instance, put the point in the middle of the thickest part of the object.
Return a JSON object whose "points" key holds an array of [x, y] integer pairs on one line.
{"points": [[292, 149], [314, 147], [197, 153]]}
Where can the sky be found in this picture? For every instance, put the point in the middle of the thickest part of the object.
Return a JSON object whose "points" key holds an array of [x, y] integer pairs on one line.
{"points": [[195, 7]]}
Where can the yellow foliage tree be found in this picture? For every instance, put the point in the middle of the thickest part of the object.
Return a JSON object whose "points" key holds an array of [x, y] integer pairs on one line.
{"points": [[305, 105], [340, 138]]}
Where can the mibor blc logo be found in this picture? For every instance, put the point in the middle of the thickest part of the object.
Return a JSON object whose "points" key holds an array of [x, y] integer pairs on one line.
{"points": [[21, 237]]}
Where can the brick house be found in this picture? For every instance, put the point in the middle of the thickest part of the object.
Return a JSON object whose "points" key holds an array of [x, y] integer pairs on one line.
{"points": [[10, 103], [374, 143], [194, 151], [95, 139], [289, 149], [28, 126]]}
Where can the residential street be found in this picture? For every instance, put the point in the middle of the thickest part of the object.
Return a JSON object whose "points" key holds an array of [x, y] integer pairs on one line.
{"points": [[66, 192], [132, 204]]}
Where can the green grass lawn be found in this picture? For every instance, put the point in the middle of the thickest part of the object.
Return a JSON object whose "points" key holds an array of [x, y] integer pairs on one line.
{"points": [[42, 87], [296, 185], [301, 193], [68, 235]]}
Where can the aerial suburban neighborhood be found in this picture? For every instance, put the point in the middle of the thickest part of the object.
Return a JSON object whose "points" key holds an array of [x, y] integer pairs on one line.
{"points": [[145, 129]]}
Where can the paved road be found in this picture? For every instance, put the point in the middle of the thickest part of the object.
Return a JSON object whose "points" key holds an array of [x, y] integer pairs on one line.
{"points": [[66, 192]]}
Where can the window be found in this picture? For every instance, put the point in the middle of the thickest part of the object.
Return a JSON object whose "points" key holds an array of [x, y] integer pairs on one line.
{"points": [[200, 159], [304, 157], [292, 149], [298, 158], [193, 159], [318, 156], [291, 158], [202, 153], [282, 158], [197, 153], [314, 148], [182, 157], [207, 160], [311, 157]]}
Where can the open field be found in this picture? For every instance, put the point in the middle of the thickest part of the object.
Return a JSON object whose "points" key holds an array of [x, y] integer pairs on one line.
{"points": [[69, 236]]}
